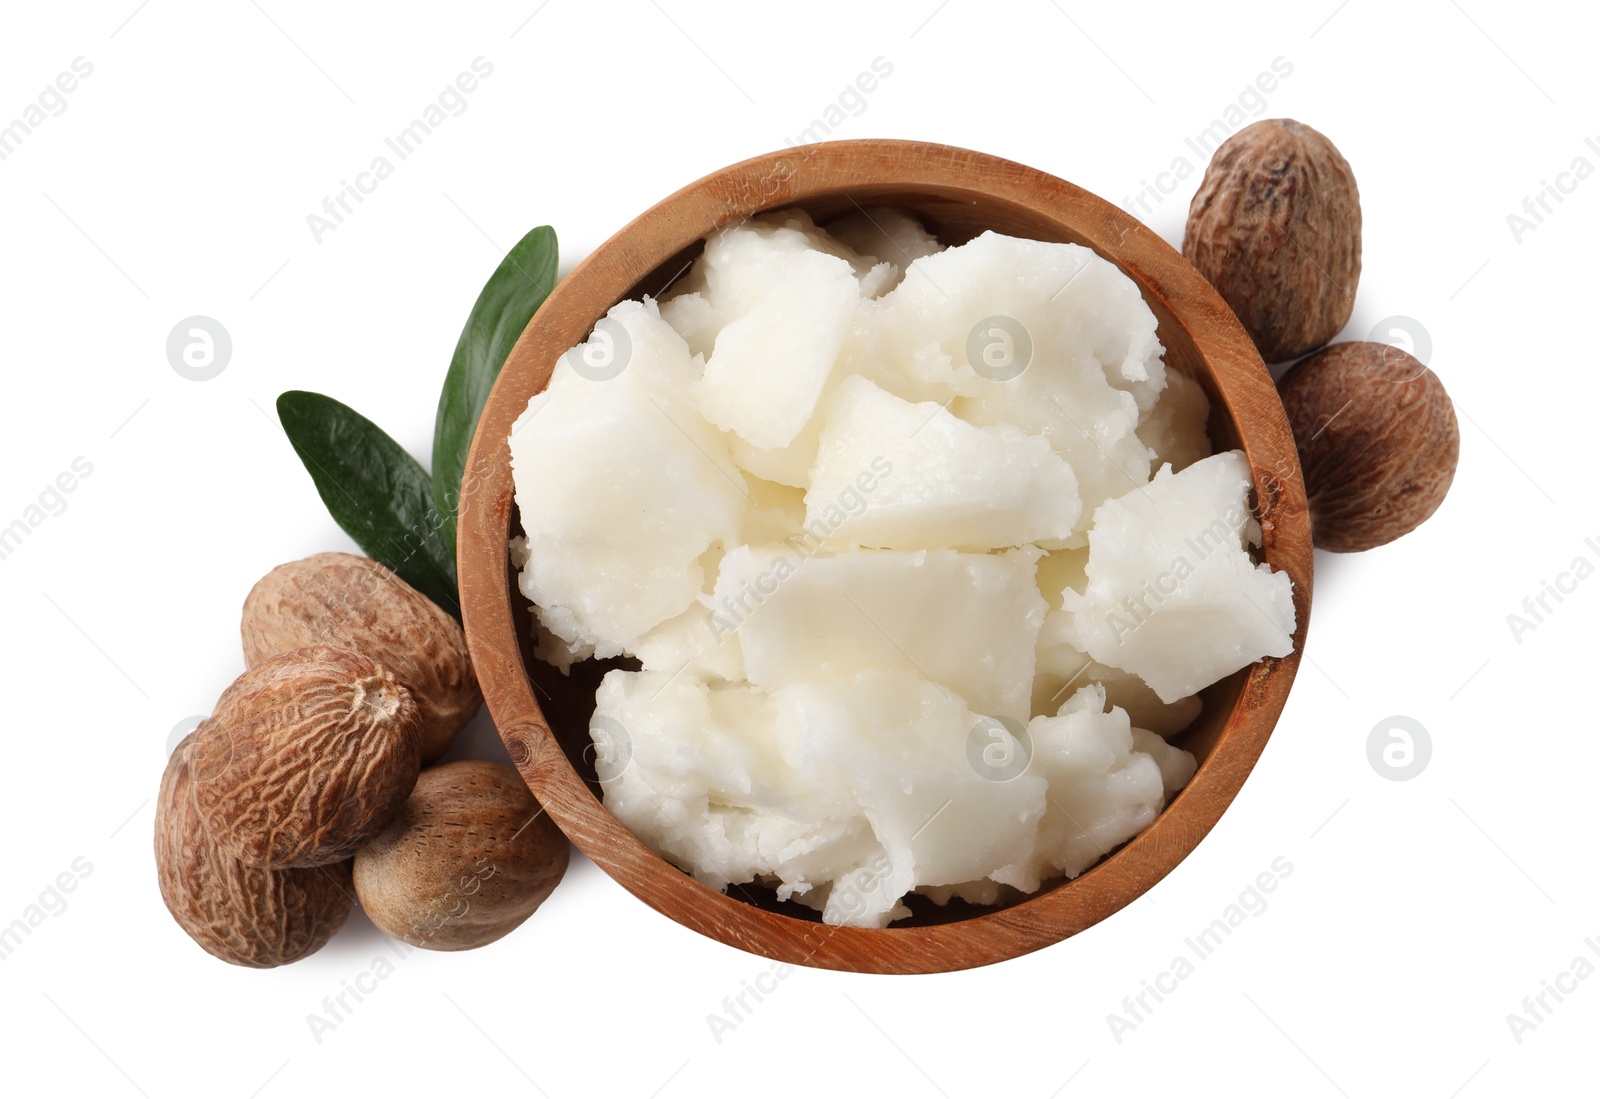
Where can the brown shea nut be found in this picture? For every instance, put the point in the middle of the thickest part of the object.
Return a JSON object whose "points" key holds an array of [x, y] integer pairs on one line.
{"points": [[1378, 442], [243, 915], [470, 857], [355, 603], [305, 758], [1276, 228]]}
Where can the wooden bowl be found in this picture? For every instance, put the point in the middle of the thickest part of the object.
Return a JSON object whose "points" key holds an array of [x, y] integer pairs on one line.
{"points": [[543, 716]]}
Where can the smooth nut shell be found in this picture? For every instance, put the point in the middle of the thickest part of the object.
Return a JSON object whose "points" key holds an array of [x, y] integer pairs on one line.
{"points": [[1276, 228], [355, 603], [246, 916], [305, 758], [470, 857], [1378, 442]]}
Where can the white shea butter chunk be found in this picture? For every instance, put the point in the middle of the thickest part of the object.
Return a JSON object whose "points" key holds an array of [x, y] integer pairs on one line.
{"points": [[846, 795], [967, 621], [1172, 594], [782, 312], [1061, 666], [906, 748], [1049, 338], [785, 465], [885, 234], [1175, 428], [691, 644], [717, 291], [875, 273], [776, 513], [1063, 670], [698, 773], [950, 484], [709, 295], [1107, 781], [622, 487]]}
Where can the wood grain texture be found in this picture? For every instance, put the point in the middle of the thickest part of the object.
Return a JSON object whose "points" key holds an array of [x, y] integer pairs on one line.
{"points": [[959, 194]]}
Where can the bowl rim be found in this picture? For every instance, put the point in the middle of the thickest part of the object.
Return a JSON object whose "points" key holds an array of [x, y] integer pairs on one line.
{"points": [[796, 176]]}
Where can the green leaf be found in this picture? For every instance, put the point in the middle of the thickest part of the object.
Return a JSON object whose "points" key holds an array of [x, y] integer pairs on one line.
{"points": [[374, 489], [507, 302]]}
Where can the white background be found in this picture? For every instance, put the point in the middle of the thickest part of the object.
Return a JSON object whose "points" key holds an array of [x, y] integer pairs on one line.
{"points": [[177, 182]]}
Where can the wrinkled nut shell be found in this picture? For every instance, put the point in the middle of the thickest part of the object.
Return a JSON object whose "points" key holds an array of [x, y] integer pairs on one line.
{"points": [[355, 603], [305, 758], [1378, 442], [246, 916], [1276, 228], [469, 858]]}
